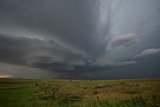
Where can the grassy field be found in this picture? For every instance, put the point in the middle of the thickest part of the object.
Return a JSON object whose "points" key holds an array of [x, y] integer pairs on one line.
{"points": [[79, 93]]}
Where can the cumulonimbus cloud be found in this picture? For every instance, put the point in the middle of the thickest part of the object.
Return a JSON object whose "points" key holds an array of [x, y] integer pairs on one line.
{"points": [[148, 52], [124, 40], [75, 38]]}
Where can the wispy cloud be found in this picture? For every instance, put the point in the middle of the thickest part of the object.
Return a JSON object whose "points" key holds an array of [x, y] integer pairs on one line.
{"points": [[126, 63], [124, 40], [148, 52]]}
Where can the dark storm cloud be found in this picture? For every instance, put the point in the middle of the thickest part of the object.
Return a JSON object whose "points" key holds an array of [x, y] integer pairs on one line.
{"points": [[80, 38], [45, 55], [36, 53], [12, 49], [71, 21]]}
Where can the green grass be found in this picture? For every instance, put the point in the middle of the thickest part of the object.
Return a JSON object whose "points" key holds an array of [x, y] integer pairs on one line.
{"points": [[79, 93]]}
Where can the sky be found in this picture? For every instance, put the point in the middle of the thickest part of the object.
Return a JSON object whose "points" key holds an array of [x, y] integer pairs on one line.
{"points": [[80, 39]]}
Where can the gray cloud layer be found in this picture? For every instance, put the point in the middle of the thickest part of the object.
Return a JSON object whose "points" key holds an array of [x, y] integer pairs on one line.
{"points": [[81, 38]]}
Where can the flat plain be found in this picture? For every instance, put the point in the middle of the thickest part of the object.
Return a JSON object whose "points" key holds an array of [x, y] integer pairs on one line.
{"points": [[79, 93]]}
